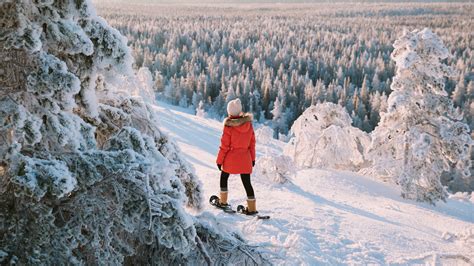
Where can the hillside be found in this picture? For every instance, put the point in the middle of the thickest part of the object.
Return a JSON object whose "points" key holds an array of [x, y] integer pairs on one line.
{"points": [[330, 217]]}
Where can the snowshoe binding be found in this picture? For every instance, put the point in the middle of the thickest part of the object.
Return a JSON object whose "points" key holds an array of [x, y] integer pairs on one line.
{"points": [[243, 210], [214, 201]]}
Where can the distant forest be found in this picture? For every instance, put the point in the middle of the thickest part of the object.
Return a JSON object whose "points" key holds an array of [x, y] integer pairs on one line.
{"points": [[281, 59]]}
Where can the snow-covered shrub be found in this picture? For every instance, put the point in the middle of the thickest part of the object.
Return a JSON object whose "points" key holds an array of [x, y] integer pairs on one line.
{"points": [[86, 176], [324, 137], [421, 135], [264, 135], [272, 165], [275, 168], [266, 144]]}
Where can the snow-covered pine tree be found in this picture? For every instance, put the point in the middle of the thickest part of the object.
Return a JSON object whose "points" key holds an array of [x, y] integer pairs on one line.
{"points": [[277, 117], [86, 176], [158, 85], [170, 88], [200, 110], [145, 78], [421, 134], [230, 95], [323, 136], [196, 99], [459, 92]]}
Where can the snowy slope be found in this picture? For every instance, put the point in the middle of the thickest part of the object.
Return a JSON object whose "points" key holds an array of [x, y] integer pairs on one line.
{"points": [[328, 217]]}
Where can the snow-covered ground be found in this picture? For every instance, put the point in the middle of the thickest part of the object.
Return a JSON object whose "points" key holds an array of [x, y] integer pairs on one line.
{"points": [[328, 217]]}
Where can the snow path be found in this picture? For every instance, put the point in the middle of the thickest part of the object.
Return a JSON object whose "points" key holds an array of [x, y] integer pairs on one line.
{"points": [[328, 217]]}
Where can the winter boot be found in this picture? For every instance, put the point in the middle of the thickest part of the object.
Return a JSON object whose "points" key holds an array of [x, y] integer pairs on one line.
{"points": [[251, 207], [223, 199]]}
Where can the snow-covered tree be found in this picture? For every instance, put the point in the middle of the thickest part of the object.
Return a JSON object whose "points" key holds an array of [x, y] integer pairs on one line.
{"points": [[170, 91], [183, 102], [277, 116], [459, 92], [324, 137], [200, 110], [159, 83], [421, 134], [146, 83], [364, 90], [230, 95], [86, 176], [219, 105], [196, 99]]}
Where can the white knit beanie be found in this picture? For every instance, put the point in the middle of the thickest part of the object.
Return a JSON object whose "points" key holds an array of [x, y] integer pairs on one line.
{"points": [[234, 107]]}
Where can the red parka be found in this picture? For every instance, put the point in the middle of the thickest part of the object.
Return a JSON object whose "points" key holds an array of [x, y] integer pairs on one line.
{"points": [[237, 150]]}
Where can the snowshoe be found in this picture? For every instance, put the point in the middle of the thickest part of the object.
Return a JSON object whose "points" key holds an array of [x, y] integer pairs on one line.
{"points": [[214, 201], [243, 210]]}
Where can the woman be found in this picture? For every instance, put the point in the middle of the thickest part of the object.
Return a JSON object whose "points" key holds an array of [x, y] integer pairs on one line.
{"points": [[237, 153]]}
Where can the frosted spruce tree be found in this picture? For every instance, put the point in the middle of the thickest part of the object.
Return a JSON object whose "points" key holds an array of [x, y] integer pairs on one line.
{"points": [[86, 176], [421, 134], [145, 79], [200, 111], [324, 137]]}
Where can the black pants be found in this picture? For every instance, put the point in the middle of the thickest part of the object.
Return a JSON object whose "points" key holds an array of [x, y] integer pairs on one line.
{"points": [[245, 180]]}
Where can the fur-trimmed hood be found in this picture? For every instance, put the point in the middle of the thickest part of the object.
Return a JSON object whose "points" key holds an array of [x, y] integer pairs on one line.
{"points": [[238, 121]]}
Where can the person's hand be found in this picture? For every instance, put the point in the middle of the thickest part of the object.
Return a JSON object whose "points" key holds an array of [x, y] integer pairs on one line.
{"points": [[219, 167], [253, 163]]}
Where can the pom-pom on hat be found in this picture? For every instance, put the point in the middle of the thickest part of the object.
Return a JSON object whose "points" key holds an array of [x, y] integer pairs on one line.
{"points": [[234, 107]]}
